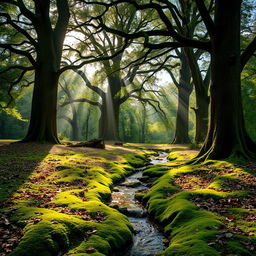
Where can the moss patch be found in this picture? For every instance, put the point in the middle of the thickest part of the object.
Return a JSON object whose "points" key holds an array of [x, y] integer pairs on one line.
{"points": [[205, 209], [61, 204]]}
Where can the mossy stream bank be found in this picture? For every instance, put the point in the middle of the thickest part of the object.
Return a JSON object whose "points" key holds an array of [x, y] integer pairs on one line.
{"points": [[57, 202], [147, 240]]}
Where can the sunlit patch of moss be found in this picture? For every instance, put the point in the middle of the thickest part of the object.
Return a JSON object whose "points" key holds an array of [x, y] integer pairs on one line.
{"points": [[135, 160], [180, 156], [194, 231], [77, 219]]}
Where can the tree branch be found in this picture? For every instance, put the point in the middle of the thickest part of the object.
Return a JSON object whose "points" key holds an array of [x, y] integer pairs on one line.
{"points": [[248, 53]]}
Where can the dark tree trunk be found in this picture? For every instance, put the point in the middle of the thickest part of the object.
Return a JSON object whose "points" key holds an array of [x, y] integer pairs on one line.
{"points": [[42, 125], [75, 130], [87, 123], [202, 98], [184, 91], [201, 113], [109, 120], [226, 135], [143, 125]]}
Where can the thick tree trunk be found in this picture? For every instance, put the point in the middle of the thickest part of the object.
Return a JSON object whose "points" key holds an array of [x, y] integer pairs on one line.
{"points": [[202, 98], [226, 135], [184, 91], [50, 40], [109, 120], [201, 113], [42, 125]]}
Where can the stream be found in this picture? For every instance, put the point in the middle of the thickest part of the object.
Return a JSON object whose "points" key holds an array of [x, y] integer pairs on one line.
{"points": [[148, 240]]}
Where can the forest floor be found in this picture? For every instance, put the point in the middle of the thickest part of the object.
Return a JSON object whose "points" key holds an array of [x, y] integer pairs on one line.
{"points": [[54, 200]]}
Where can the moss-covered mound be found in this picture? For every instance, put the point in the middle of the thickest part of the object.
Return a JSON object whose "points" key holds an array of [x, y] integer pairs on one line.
{"points": [[205, 209], [61, 205]]}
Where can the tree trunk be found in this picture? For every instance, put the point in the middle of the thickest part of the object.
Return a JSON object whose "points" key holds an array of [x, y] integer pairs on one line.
{"points": [[50, 40], [184, 91], [201, 113], [42, 125], [75, 130], [87, 123], [202, 98], [181, 131], [226, 136], [2, 125], [143, 125], [109, 119]]}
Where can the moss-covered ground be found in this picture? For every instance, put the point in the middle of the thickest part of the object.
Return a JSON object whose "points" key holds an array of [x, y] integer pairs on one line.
{"points": [[54, 201], [206, 209]]}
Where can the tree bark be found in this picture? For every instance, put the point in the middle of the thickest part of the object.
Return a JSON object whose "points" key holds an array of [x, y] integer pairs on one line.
{"points": [[42, 125], [109, 120], [226, 136], [202, 98], [181, 131], [201, 113], [184, 90], [143, 124]]}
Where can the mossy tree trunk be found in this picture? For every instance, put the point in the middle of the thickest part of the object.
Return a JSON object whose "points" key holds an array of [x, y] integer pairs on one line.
{"points": [[42, 125], [226, 135]]}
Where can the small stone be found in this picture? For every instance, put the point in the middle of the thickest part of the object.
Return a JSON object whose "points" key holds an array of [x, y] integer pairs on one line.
{"points": [[133, 184]]}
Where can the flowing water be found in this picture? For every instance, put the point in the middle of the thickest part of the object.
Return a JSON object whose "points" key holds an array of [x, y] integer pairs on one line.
{"points": [[147, 240]]}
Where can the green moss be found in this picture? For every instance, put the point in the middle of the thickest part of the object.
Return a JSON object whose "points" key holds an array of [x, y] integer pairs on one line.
{"points": [[180, 156], [155, 171], [193, 231], [84, 189], [193, 247], [135, 160]]}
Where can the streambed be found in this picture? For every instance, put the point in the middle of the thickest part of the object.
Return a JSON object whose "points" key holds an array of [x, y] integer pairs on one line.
{"points": [[148, 240]]}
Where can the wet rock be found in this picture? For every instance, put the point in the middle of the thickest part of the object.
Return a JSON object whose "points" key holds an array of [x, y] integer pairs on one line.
{"points": [[133, 184], [137, 213]]}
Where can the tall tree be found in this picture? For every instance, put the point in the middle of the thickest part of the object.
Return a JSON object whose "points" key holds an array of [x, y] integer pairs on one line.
{"points": [[226, 135], [41, 43], [185, 88]]}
